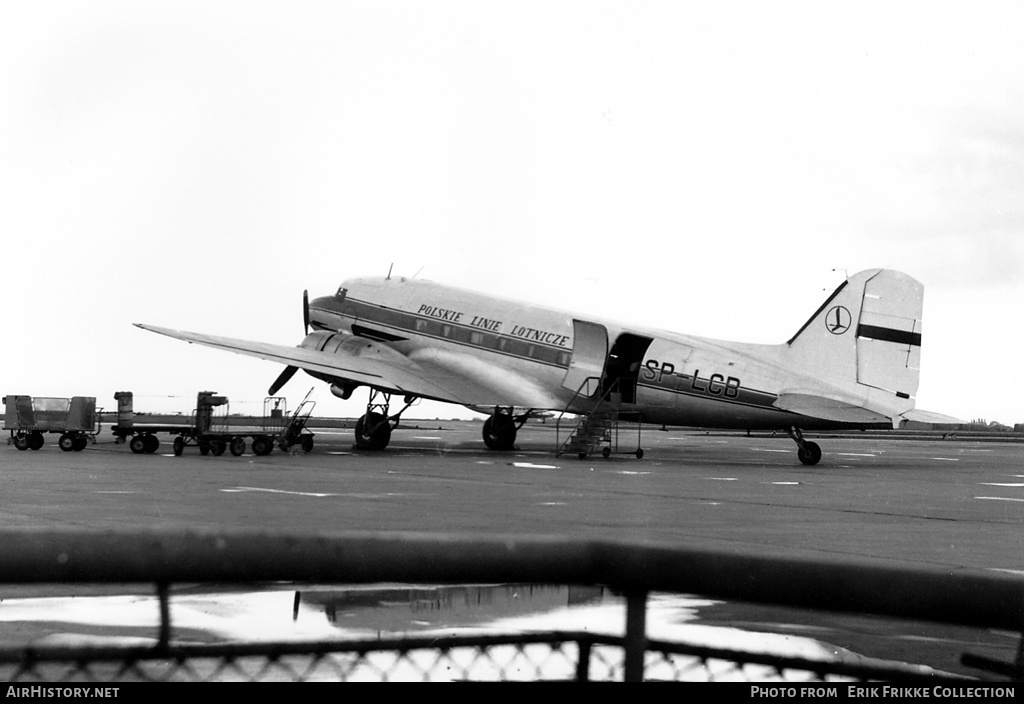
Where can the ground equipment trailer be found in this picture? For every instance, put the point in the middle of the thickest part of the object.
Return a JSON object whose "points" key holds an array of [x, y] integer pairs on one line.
{"points": [[29, 418], [209, 428]]}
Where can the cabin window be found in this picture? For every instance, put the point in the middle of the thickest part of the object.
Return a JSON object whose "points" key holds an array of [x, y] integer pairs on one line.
{"points": [[421, 326], [476, 338], [563, 359], [504, 343], [446, 330]]}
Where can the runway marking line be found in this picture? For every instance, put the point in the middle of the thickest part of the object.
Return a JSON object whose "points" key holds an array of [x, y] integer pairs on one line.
{"points": [[723, 479], [998, 484], [243, 489], [998, 498], [945, 459], [530, 465]]}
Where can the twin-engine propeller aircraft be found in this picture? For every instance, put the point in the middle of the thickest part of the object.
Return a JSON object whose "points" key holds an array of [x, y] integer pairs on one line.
{"points": [[854, 363]]}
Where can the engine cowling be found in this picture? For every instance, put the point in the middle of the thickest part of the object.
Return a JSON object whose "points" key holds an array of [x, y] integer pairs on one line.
{"points": [[343, 390]]}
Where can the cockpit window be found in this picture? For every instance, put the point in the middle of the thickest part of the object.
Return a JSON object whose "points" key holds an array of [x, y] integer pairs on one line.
{"points": [[340, 295]]}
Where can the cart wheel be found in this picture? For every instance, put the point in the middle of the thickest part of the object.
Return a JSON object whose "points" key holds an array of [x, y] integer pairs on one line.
{"points": [[307, 443], [138, 444], [204, 447], [21, 441], [639, 454], [237, 446], [262, 445], [217, 446], [66, 442], [152, 443], [35, 440], [179, 446], [80, 443], [606, 452]]}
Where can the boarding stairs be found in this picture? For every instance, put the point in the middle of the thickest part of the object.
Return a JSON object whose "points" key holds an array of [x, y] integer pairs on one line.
{"points": [[599, 428]]}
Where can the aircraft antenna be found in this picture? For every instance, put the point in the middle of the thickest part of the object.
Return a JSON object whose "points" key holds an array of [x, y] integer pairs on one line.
{"points": [[418, 272], [389, 271]]}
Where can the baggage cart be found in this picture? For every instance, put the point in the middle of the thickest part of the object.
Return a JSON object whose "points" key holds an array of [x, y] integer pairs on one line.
{"points": [[29, 418], [209, 427]]}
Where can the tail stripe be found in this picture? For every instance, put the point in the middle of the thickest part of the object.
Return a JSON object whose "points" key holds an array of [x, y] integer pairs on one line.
{"points": [[901, 337]]}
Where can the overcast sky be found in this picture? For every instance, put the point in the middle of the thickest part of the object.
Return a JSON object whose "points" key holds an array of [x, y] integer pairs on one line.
{"points": [[710, 168]]}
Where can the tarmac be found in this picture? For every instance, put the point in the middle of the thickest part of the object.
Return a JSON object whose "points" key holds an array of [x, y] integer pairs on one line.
{"points": [[951, 504]]}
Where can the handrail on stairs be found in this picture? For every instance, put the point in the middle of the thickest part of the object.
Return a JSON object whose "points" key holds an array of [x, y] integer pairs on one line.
{"points": [[604, 395]]}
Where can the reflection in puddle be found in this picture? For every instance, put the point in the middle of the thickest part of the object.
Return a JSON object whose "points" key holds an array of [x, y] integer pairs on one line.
{"points": [[211, 614], [410, 609]]}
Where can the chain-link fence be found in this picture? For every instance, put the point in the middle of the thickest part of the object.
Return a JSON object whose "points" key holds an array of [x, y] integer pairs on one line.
{"points": [[981, 601]]}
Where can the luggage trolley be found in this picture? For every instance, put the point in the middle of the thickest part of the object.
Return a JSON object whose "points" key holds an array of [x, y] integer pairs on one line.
{"points": [[209, 429], [28, 419]]}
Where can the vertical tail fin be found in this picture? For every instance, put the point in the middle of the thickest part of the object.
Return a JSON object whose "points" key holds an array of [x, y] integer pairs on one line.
{"points": [[867, 332]]}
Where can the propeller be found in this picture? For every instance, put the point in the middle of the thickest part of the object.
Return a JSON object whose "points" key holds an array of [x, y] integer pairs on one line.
{"points": [[290, 370], [281, 380], [305, 310]]}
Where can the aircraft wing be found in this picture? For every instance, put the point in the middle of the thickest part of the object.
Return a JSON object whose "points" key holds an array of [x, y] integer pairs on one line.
{"points": [[433, 374]]}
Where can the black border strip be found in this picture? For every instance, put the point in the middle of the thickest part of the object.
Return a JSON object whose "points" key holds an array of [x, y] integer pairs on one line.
{"points": [[900, 337]]}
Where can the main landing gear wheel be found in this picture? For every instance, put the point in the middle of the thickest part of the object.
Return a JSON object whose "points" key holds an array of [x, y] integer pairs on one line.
{"points": [[500, 432], [373, 432]]}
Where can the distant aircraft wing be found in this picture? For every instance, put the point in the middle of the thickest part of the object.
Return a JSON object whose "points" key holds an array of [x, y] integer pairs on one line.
{"points": [[432, 373]]}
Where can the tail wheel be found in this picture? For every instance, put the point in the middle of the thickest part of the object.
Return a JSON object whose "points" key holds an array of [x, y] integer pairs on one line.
{"points": [[373, 432], [500, 432], [809, 453]]}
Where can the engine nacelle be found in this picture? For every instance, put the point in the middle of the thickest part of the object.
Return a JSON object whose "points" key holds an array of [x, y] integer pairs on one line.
{"points": [[317, 340], [343, 390]]}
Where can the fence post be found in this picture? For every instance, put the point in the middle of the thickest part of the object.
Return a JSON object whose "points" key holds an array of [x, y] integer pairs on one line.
{"points": [[636, 635], [163, 592]]}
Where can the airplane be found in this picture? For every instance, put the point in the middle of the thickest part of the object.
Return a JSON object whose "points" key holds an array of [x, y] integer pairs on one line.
{"points": [[854, 364]]}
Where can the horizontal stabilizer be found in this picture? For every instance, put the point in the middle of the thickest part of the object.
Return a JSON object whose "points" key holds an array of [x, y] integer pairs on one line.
{"points": [[827, 409], [921, 416]]}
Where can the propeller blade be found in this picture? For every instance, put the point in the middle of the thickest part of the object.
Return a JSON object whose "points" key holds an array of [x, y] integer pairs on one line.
{"points": [[305, 310], [287, 374]]}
